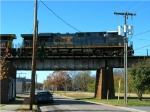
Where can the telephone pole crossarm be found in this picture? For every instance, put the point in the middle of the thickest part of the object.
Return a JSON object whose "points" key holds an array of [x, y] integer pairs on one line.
{"points": [[125, 13]]}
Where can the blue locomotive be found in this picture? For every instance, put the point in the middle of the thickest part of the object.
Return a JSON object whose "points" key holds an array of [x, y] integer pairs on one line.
{"points": [[80, 43]]}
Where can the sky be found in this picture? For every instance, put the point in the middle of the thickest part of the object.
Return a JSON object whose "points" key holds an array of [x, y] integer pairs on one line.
{"points": [[17, 17]]}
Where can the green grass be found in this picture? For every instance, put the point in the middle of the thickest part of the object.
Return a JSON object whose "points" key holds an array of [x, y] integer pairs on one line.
{"points": [[2, 105], [132, 101], [120, 102]]}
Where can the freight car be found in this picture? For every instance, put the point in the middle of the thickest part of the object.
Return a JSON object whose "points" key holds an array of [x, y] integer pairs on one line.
{"points": [[77, 44]]}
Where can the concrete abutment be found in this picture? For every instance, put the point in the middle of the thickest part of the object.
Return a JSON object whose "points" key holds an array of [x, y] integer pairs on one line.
{"points": [[104, 84]]}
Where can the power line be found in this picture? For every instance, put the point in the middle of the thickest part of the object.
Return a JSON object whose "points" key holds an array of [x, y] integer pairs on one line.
{"points": [[142, 47], [59, 17], [121, 9], [139, 48], [141, 39], [126, 5], [140, 34], [137, 5], [143, 10]]}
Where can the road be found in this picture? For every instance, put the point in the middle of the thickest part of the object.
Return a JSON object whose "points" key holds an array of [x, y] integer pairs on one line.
{"points": [[64, 104]]}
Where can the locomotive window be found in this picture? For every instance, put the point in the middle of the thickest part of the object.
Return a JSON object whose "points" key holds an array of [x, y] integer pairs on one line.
{"points": [[88, 34], [101, 34], [80, 34], [43, 39], [113, 34]]}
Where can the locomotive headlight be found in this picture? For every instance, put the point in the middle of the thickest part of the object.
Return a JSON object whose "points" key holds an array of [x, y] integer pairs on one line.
{"points": [[119, 44]]}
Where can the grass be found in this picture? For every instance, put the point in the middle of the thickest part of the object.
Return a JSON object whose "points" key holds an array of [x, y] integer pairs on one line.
{"points": [[116, 102], [132, 100], [26, 108], [2, 105], [76, 94]]}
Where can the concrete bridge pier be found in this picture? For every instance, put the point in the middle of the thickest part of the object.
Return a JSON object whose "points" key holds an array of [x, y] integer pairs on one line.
{"points": [[104, 84]]}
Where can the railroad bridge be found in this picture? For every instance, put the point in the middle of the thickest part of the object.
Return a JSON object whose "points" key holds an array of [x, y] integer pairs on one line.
{"points": [[73, 57], [103, 66]]}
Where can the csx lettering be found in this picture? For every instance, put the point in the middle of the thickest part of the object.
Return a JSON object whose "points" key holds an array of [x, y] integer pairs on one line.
{"points": [[63, 40]]}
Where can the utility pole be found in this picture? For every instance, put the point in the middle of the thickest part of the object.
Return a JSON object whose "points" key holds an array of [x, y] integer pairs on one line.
{"points": [[35, 80], [32, 90], [126, 14]]}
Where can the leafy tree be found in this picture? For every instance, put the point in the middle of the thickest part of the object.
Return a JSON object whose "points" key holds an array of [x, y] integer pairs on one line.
{"points": [[91, 84], [140, 73], [3, 66], [82, 79], [58, 79], [39, 86], [119, 80], [45, 84]]}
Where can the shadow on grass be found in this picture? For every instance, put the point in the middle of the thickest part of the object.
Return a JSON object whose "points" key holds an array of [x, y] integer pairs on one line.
{"points": [[88, 98]]}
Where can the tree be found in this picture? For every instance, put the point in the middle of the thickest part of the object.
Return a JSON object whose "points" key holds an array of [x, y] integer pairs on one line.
{"points": [[39, 86], [72, 75], [3, 65], [119, 80], [140, 74], [58, 79], [91, 84], [82, 79]]}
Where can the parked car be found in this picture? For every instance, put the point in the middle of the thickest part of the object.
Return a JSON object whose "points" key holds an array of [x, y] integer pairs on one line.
{"points": [[44, 96]]}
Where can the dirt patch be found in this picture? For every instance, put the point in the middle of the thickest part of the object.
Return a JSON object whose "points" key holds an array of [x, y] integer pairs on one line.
{"points": [[26, 108]]}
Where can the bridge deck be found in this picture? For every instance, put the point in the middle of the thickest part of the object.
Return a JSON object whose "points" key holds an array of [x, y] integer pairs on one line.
{"points": [[75, 63]]}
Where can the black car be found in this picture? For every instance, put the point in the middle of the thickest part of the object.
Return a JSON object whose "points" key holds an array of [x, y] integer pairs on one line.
{"points": [[44, 96]]}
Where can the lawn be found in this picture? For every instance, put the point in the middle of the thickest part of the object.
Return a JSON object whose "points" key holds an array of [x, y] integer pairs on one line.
{"points": [[87, 96], [2, 105], [25, 108]]}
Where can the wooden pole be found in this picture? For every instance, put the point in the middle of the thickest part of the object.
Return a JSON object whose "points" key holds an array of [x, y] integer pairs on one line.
{"points": [[32, 90]]}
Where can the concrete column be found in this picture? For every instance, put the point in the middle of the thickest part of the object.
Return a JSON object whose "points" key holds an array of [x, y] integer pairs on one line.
{"points": [[104, 84], [97, 90], [111, 83]]}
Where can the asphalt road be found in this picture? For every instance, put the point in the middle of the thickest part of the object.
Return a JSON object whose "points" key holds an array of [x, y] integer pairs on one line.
{"points": [[64, 104]]}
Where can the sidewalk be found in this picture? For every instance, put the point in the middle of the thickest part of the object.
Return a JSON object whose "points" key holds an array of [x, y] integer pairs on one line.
{"points": [[12, 106]]}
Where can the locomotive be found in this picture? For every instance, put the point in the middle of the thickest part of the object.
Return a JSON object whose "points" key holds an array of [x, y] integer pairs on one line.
{"points": [[70, 44], [77, 44]]}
